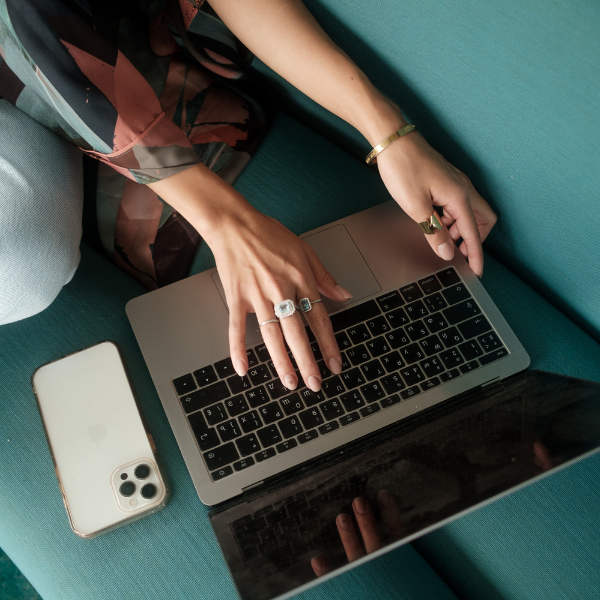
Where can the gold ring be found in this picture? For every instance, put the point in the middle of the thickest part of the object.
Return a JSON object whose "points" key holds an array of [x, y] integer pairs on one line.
{"points": [[431, 225]]}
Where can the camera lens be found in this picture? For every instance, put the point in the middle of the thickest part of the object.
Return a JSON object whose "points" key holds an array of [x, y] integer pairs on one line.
{"points": [[127, 489], [123, 476], [149, 491], [142, 471]]}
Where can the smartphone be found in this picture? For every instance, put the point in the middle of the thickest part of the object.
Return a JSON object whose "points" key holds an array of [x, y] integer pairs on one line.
{"points": [[103, 455]]}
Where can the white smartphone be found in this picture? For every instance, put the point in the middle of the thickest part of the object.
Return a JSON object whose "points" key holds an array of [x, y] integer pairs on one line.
{"points": [[104, 458]]}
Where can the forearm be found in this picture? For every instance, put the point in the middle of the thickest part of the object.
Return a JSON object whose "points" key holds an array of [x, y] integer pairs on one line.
{"points": [[286, 37]]}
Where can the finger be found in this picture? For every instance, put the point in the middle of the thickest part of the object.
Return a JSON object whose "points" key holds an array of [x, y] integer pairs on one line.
{"points": [[467, 227], [349, 537], [273, 338], [320, 566], [390, 513], [441, 242], [367, 524], [326, 283], [484, 215], [237, 338]]}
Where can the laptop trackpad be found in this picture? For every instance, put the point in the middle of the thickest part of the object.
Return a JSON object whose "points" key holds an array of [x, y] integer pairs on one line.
{"points": [[342, 258]]}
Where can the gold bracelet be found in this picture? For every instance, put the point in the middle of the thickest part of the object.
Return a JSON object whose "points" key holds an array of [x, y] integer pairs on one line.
{"points": [[406, 129]]}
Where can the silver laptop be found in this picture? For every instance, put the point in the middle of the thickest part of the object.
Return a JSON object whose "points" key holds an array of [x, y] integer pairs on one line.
{"points": [[418, 331]]}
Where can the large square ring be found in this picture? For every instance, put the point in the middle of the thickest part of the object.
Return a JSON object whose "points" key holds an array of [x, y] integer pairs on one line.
{"points": [[285, 308]]}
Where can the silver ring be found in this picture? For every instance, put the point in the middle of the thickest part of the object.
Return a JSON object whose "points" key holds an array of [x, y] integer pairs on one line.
{"points": [[306, 304], [269, 321], [284, 308]]}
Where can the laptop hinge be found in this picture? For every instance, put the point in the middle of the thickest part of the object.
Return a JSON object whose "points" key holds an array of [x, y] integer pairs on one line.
{"points": [[251, 487], [491, 381]]}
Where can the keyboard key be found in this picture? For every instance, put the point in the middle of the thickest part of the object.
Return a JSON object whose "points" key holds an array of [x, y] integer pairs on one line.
{"points": [[184, 384], [271, 412], [353, 378], [378, 326], [311, 398], [311, 418], [250, 421], [456, 293], [416, 331], [452, 358], [390, 401], [265, 454], [259, 374], [390, 301], [416, 310], [224, 368], [243, 464], [229, 430], [372, 391], [397, 339], [287, 445], [252, 360], [216, 475], [410, 392], [276, 389], [430, 383], [397, 318], [392, 383], [377, 346], [471, 350], [269, 435], [262, 353], [347, 419], [332, 387], [369, 410], [205, 396], [489, 341], [206, 436], [236, 405], [219, 457], [432, 366], [412, 375], [460, 312], [430, 284], [372, 370], [257, 397], [358, 355], [453, 374], [343, 340], [435, 322], [329, 427], [332, 409], [215, 414], [451, 337], [474, 327], [435, 302], [238, 384], [357, 314], [392, 361], [358, 333], [307, 436], [205, 376], [470, 366], [325, 372], [345, 362], [448, 277], [431, 345], [492, 356], [291, 404], [412, 354], [352, 400], [290, 427], [411, 292], [248, 444]]}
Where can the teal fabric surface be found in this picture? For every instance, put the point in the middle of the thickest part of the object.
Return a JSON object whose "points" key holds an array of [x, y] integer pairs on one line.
{"points": [[507, 91]]}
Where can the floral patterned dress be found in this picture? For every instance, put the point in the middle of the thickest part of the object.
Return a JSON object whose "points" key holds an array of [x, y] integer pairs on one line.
{"points": [[149, 88]]}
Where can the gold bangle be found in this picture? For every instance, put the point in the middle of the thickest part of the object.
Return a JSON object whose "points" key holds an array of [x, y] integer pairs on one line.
{"points": [[406, 129]]}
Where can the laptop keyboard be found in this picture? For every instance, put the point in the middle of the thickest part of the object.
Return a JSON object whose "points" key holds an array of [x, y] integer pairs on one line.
{"points": [[399, 345]]}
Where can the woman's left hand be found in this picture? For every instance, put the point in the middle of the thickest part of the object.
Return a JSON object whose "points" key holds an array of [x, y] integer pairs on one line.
{"points": [[419, 178]]}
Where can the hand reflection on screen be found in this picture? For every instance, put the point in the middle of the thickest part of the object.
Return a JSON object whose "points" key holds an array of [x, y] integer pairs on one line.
{"points": [[373, 537], [543, 458]]}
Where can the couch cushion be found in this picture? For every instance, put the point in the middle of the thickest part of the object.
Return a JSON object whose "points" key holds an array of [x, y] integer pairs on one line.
{"points": [[507, 91]]}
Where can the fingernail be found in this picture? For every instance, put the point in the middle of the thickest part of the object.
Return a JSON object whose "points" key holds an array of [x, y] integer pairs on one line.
{"points": [[335, 366], [344, 521], [240, 367], [360, 506], [314, 383], [290, 382], [446, 251], [347, 295]]}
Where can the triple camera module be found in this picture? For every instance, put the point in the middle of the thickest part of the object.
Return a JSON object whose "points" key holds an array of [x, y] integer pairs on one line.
{"points": [[140, 473]]}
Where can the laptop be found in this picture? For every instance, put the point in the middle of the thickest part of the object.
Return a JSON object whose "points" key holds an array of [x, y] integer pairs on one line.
{"points": [[428, 412]]}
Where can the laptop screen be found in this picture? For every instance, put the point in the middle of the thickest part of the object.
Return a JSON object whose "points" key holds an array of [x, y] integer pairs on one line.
{"points": [[412, 477]]}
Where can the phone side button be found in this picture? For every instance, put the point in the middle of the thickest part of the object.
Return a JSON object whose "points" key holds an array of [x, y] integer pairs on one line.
{"points": [[216, 475]]}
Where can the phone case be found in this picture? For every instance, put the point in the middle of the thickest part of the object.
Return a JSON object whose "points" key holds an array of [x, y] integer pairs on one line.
{"points": [[103, 456]]}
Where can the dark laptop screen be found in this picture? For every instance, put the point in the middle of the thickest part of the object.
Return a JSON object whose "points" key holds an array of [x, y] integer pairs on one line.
{"points": [[414, 475]]}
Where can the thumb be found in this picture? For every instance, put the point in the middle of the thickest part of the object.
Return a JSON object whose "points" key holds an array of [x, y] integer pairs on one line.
{"points": [[326, 284]]}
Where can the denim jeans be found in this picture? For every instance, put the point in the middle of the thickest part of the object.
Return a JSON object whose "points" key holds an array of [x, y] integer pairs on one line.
{"points": [[41, 200]]}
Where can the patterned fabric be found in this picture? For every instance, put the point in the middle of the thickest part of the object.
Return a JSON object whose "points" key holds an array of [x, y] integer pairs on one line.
{"points": [[149, 88]]}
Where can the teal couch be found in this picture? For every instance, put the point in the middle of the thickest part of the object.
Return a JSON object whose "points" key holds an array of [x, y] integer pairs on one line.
{"points": [[508, 93]]}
